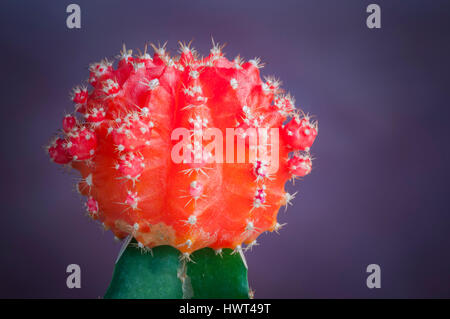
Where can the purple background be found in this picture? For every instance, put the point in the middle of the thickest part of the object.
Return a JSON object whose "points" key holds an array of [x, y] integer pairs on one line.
{"points": [[379, 188]]}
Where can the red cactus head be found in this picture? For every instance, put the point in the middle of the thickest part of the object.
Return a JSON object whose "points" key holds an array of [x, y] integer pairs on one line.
{"points": [[124, 147]]}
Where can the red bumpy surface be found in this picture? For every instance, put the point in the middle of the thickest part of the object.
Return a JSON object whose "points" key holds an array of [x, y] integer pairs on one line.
{"points": [[119, 139]]}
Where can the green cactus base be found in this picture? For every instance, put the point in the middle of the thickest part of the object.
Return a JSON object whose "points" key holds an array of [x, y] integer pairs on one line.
{"points": [[161, 275]]}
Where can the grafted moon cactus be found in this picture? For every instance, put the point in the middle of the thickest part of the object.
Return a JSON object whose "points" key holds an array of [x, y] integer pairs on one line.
{"points": [[121, 139]]}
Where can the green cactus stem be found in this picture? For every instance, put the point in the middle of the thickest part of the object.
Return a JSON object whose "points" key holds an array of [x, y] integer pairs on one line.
{"points": [[164, 274]]}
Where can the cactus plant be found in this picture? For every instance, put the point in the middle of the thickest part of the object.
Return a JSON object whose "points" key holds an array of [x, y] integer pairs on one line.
{"points": [[120, 139]]}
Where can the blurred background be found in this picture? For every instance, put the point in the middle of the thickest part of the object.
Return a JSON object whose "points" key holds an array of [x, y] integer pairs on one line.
{"points": [[379, 190]]}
